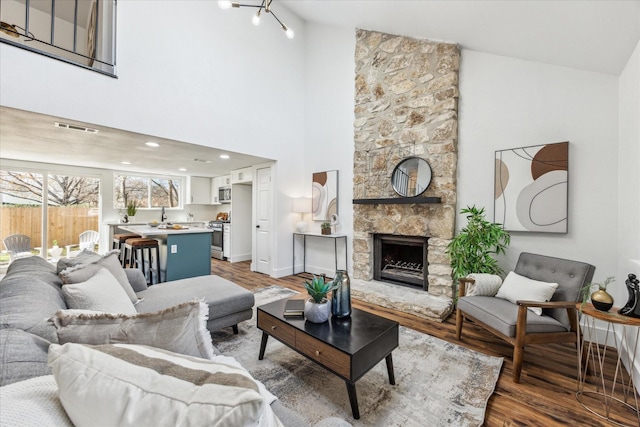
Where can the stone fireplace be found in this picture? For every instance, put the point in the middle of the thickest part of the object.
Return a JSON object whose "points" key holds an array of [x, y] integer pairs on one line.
{"points": [[405, 105]]}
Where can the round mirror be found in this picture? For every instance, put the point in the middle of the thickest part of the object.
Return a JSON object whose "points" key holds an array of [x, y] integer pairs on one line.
{"points": [[411, 177]]}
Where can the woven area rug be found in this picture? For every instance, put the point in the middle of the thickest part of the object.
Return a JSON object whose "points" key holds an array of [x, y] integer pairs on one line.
{"points": [[437, 383]]}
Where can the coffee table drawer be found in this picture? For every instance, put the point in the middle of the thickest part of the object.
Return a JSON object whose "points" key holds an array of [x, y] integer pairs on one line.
{"points": [[276, 328], [320, 352]]}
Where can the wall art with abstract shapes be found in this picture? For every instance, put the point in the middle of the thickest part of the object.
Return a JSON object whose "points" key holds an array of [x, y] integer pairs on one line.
{"points": [[324, 195], [531, 188]]}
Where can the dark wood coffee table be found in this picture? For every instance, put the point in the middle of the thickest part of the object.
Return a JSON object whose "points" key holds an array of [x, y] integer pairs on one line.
{"points": [[347, 347]]}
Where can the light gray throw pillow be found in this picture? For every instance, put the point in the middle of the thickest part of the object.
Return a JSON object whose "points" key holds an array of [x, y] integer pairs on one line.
{"points": [[181, 329], [83, 272], [102, 292], [84, 257]]}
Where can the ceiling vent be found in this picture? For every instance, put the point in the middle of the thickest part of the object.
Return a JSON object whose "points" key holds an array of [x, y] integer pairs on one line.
{"points": [[75, 127], [202, 160]]}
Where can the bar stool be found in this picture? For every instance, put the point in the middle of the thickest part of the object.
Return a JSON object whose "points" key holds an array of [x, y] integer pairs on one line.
{"points": [[146, 247], [118, 243]]}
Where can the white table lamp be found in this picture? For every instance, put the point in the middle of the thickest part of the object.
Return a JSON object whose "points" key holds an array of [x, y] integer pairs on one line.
{"points": [[302, 206]]}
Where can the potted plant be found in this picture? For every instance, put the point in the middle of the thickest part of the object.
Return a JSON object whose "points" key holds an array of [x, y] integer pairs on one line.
{"points": [[600, 298], [55, 251], [318, 307], [472, 250], [132, 208], [325, 228]]}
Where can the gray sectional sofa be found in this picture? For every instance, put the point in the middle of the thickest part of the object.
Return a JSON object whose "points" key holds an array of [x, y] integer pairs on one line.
{"points": [[30, 293]]}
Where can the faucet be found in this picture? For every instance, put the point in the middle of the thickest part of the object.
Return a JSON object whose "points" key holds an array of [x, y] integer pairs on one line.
{"points": [[163, 217]]}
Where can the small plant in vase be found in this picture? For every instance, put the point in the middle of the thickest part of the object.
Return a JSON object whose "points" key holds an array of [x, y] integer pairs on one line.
{"points": [[325, 228], [318, 307], [132, 209], [600, 298]]}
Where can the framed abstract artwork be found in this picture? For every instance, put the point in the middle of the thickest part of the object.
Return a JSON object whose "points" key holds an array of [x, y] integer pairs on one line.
{"points": [[324, 195], [531, 188]]}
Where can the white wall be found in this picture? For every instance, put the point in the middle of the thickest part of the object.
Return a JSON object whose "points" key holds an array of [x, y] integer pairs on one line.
{"points": [[629, 185], [507, 102], [189, 71], [329, 116], [629, 171]]}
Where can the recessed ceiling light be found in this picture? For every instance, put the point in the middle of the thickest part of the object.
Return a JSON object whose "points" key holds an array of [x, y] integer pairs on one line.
{"points": [[224, 156], [126, 163], [152, 144], [182, 169]]}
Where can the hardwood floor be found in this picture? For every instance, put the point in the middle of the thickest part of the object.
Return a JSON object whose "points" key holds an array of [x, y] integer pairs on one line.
{"points": [[545, 395]]}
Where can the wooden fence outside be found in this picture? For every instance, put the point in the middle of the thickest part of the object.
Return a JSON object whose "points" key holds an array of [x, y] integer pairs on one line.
{"points": [[65, 223]]}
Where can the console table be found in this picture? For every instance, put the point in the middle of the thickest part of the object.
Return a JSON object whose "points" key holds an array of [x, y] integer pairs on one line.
{"points": [[304, 236], [605, 397]]}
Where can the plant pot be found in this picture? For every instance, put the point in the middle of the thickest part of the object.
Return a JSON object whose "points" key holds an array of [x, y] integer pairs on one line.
{"points": [[317, 312], [325, 231], [55, 253], [601, 300]]}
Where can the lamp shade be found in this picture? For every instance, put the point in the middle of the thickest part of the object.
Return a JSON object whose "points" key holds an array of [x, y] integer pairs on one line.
{"points": [[302, 205]]}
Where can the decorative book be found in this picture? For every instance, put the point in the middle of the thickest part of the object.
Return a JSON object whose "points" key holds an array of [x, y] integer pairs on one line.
{"points": [[294, 308]]}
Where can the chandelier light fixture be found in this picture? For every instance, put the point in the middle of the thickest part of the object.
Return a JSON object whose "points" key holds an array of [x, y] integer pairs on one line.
{"points": [[265, 5]]}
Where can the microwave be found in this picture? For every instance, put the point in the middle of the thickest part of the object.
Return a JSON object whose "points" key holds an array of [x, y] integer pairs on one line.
{"points": [[224, 194]]}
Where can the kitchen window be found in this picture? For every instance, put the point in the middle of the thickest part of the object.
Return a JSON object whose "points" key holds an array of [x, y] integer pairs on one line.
{"points": [[147, 192]]}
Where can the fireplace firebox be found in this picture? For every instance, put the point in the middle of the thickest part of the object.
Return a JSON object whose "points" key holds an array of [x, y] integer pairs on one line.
{"points": [[401, 260]]}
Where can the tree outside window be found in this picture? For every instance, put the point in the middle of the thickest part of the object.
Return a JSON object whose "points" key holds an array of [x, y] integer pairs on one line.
{"points": [[147, 192], [71, 203]]}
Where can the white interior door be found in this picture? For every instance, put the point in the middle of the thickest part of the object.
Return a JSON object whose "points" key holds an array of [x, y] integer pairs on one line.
{"points": [[263, 223]]}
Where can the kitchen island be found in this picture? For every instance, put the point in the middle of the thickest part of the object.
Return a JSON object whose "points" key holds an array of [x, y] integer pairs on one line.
{"points": [[184, 252]]}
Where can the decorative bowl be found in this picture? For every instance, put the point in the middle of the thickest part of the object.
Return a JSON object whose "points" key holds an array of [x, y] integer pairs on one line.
{"points": [[153, 224]]}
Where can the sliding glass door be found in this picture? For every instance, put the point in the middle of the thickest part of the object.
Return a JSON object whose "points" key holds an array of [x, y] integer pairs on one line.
{"points": [[67, 204], [21, 210]]}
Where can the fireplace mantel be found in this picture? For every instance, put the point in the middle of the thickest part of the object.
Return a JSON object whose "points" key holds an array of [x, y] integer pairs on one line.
{"points": [[397, 201]]}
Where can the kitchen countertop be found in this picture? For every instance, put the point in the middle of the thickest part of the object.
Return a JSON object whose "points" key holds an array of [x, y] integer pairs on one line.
{"points": [[126, 224], [145, 230]]}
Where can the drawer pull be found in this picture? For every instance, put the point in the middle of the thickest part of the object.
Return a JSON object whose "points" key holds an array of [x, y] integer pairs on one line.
{"points": [[273, 327], [317, 352]]}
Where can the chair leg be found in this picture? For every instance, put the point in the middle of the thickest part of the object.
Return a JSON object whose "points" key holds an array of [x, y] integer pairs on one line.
{"points": [[518, 355], [459, 320], [518, 347]]}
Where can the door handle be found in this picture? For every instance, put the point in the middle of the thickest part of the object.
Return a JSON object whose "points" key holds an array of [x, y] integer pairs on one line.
{"points": [[257, 226]]}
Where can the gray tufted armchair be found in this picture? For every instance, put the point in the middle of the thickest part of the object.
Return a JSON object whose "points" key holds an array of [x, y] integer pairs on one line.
{"points": [[514, 323]]}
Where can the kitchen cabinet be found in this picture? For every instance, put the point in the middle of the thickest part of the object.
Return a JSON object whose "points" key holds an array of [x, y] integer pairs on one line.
{"points": [[198, 191], [217, 182], [242, 176]]}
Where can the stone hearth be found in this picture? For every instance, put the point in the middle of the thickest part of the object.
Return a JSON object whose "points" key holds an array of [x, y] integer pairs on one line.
{"points": [[406, 105], [402, 298]]}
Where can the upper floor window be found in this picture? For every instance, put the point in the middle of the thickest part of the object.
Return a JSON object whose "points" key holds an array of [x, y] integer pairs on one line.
{"points": [[81, 32], [147, 192]]}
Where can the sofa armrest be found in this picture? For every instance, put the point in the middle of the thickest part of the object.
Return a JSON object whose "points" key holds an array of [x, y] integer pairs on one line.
{"points": [[136, 279]]}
